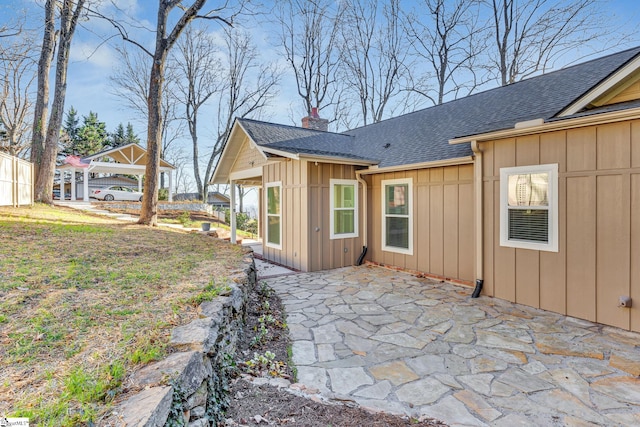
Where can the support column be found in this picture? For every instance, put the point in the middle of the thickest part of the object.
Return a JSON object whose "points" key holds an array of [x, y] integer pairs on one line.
{"points": [[232, 211], [139, 183], [171, 186], [85, 184], [73, 184], [61, 184]]}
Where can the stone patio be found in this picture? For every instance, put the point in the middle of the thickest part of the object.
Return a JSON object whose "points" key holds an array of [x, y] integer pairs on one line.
{"points": [[407, 345]]}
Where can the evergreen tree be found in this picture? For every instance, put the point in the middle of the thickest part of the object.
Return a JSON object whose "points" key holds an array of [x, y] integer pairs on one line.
{"points": [[118, 137], [121, 137], [69, 133], [92, 136], [131, 137]]}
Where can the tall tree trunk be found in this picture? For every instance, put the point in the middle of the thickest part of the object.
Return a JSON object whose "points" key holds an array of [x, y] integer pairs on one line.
{"points": [[164, 42], [149, 211], [44, 180], [42, 99]]}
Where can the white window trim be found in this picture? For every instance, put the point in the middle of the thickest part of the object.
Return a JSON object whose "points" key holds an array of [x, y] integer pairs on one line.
{"points": [[332, 184], [552, 244], [267, 215], [384, 184]]}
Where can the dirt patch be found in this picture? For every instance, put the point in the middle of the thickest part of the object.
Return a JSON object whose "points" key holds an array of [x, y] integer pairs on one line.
{"points": [[254, 403]]}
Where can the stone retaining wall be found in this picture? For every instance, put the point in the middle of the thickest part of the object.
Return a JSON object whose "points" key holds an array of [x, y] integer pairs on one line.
{"points": [[166, 206], [189, 388]]}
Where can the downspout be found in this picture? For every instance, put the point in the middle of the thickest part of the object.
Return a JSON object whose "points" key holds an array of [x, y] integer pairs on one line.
{"points": [[479, 218], [364, 217]]}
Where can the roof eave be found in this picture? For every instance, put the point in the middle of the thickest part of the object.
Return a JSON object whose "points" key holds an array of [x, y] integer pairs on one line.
{"points": [[422, 165], [550, 126], [600, 89], [337, 160]]}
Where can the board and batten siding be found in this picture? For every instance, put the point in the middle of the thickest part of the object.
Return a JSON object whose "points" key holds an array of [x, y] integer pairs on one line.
{"points": [[249, 157], [326, 253], [599, 224], [443, 225], [294, 219]]}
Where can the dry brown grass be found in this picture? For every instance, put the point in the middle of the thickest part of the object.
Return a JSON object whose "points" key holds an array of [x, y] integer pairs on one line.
{"points": [[86, 300]]}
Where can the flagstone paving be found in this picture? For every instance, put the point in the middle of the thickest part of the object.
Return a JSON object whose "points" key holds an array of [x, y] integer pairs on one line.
{"points": [[395, 342]]}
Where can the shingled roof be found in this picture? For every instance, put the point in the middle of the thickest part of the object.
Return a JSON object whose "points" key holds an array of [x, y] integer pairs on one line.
{"points": [[424, 135]]}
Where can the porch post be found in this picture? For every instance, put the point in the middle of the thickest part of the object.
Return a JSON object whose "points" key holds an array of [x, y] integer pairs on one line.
{"points": [[85, 185], [139, 183], [232, 211], [171, 186], [62, 184], [73, 184]]}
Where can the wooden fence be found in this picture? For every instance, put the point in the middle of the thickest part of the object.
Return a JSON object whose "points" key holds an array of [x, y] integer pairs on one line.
{"points": [[16, 181]]}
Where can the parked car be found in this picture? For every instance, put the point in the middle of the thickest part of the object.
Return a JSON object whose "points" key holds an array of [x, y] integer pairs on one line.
{"points": [[56, 194], [116, 192]]}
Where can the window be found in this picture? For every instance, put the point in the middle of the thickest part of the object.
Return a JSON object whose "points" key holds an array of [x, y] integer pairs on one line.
{"points": [[529, 207], [397, 216], [274, 219], [344, 208]]}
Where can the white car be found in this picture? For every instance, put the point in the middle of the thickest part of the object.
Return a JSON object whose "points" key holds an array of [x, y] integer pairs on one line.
{"points": [[116, 192]]}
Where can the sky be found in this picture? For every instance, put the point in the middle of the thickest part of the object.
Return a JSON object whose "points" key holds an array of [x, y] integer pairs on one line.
{"points": [[93, 59]]}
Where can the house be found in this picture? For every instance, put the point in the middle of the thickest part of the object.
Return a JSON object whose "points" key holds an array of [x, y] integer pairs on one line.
{"points": [[214, 198], [531, 191]]}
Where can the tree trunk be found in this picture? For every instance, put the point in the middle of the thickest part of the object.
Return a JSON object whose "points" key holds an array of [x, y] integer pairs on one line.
{"points": [[149, 210], [44, 178], [42, 99], [164, 42]]}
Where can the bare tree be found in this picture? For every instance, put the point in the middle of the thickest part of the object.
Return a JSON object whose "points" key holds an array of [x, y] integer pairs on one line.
{"points": [[17, 74], [130, 82], [200, 69], [447, 35], [309, 37], [374, 55], [70, 12], [248, 88], [530, 36], [166, 36]]}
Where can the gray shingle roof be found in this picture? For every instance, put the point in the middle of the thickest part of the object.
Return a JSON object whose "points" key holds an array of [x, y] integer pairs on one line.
{"points": [[298, 140], [423, 136]]}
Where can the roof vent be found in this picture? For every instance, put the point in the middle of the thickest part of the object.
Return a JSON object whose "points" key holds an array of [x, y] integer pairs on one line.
{"points": [[529, 124]]}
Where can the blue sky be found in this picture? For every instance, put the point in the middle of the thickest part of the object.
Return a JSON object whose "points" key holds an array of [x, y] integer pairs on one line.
{"points": [[92, 61]]}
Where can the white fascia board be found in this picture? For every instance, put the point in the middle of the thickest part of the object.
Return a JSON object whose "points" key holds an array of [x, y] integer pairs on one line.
{"points": [[424, 165], [247, 173], [595, 119], [336, 160], [602, 88], [280, 153]]}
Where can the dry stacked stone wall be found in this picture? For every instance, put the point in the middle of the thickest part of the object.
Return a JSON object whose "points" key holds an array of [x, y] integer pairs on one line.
{"points": [[190, 387]]}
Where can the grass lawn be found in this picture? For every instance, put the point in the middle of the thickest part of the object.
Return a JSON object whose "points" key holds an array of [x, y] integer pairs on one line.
{"points": [[87, 300]]}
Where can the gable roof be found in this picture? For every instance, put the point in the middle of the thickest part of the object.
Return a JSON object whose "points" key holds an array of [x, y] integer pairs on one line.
{"points": [[130, 154], [277, 139], [424, 135]]}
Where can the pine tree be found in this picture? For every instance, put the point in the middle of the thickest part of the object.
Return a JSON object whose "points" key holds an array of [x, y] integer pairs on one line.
{"points": [[118, 137], [131, 137], [92, 136], [69, 133]]}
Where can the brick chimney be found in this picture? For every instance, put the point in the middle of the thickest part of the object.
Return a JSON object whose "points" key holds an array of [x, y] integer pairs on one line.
{"points": [[313, 121]]}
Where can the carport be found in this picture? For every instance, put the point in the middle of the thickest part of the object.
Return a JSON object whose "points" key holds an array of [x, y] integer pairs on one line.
{"points": [[130, 159]]}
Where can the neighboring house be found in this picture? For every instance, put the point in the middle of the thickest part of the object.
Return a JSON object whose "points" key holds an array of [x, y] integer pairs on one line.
{"points": [[214, 198], [532, 189]]}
